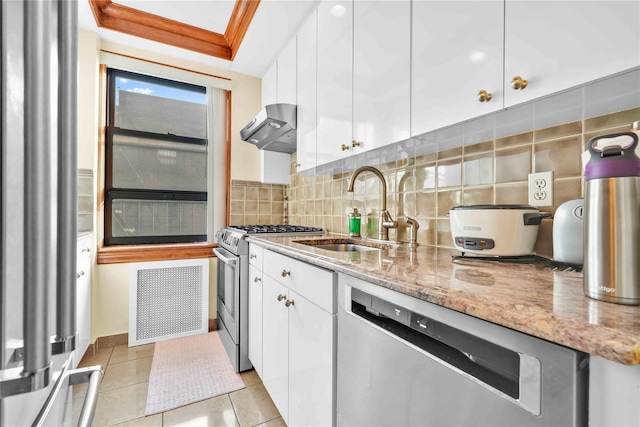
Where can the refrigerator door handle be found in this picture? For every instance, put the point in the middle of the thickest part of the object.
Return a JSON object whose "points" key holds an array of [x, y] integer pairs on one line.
{"points": [[65, 339], [38, 176], [92, 375]]}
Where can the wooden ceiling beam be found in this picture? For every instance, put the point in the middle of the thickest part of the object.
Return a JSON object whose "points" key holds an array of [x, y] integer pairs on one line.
{"points": [[146, 25], [239, 21]]}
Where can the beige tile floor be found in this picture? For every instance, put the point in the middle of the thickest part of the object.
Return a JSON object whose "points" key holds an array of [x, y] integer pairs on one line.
{"points": [[123, 396]]}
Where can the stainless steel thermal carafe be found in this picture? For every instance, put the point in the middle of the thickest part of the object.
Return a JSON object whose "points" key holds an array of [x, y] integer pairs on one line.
{"points": [[612, 221]]}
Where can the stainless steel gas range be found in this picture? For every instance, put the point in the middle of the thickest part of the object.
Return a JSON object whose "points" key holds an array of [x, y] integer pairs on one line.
{"points": [[233, 284]]}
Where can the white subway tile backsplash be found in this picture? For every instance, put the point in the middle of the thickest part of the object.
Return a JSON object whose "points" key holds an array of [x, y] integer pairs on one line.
{"points": [[558, 109], [609, 95], [514, 120]]}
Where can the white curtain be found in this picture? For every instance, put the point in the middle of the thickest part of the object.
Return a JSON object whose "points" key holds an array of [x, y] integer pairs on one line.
{"points": [[217, 167]]}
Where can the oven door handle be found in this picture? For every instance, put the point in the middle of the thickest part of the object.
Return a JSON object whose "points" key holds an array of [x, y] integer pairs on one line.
{"points": [[223, 258]]}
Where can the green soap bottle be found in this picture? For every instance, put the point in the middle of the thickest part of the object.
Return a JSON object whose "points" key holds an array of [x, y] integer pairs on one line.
{"points": [[354, 223]]}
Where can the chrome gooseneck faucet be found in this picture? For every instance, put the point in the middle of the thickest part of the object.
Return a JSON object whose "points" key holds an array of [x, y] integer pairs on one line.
{"points": [[385, 222]]}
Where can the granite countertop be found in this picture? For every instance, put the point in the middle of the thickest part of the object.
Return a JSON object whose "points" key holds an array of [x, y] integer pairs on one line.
{"points": [[528, 298]]}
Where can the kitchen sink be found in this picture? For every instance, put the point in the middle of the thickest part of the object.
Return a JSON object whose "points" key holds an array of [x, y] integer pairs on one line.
{"points": [[346, 247], [343, 245]]}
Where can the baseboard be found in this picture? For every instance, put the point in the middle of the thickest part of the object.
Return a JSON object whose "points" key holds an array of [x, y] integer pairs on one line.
{"points": [[112, 341], [123, 339]]}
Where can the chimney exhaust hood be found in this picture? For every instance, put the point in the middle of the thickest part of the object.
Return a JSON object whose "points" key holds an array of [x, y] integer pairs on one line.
{"points": [[273, 129]]}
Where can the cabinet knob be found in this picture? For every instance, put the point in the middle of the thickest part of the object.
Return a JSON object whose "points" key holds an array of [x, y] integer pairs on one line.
{"points": [[344, 147], [355, 144], [252, 256], [288, 302], [256, 279], [281, 297], [484, 96], [285, 273], [518, 83], [80, 274]]}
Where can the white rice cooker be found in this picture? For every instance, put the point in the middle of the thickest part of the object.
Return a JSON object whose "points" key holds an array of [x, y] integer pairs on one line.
{"points": [[495, 230]]}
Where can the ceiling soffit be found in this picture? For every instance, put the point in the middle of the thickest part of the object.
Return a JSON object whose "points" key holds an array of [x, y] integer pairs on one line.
{"points": [[146, 25]]}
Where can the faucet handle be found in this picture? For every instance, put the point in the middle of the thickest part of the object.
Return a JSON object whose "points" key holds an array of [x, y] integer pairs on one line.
{"points": [[413, 243]]}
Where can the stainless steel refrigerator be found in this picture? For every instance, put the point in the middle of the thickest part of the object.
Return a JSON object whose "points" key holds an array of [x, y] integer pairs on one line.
{"points": [[38, 54]]}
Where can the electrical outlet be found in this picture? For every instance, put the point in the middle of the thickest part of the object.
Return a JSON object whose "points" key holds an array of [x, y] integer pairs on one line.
{"points": [[541, 189]]}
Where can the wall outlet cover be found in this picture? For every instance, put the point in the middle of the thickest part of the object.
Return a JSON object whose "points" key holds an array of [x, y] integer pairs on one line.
{"points": [[541, 189]]}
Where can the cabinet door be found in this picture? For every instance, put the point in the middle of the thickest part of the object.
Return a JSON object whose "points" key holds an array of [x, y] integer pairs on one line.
{"points": [[83, 297], [334, 80], [381, 72], [311, 363], [306, 94], [275, 349], [270, 86], [456, 52], [286, 86], [255, 319], [555, 45]]}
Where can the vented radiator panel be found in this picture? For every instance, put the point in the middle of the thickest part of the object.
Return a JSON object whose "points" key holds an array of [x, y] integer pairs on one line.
{"points": [[168, 299]]}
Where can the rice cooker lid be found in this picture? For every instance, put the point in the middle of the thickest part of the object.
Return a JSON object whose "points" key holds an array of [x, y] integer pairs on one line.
{"points": [[494, 207]]}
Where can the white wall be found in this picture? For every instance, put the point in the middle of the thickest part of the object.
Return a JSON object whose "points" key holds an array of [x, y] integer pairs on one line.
{"points": [[110, 283]]}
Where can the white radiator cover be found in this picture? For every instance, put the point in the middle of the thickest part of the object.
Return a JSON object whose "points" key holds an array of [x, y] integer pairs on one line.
{"points": [[168, 299]]}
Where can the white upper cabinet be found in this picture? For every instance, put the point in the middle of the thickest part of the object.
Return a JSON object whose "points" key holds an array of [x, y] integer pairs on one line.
{"points": [[306, 94], [554, 45], [381, 72], [270, 86], [457, 52], [286, 89], [334, 80], [279, 86]]}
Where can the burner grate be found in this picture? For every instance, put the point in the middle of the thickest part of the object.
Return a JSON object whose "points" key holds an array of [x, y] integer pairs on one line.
{"points": [[276, 228]]}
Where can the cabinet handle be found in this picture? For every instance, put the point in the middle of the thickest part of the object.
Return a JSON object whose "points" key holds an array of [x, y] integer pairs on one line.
{"points": [[285, 273], [281, 297], [484, 96], [85, 250], [80, 274], [355, 144], [298, 165], [344, 147], [256, 279], [288, 302], [518, 83], [252, 256]]}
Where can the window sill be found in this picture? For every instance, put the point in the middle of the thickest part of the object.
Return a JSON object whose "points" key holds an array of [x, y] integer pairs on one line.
{"points": [[144, 253]]}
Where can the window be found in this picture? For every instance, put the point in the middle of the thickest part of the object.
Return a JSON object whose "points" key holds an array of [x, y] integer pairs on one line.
{"points": [[156, 160]]}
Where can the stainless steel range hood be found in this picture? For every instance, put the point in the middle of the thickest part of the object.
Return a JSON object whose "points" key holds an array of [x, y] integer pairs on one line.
{"points": [[273, 129]]}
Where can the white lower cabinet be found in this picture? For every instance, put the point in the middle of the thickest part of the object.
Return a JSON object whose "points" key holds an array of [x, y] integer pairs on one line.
{"points": [[255, 307], [275, 353], [299, 340], [311, 363], [83, 296], [255, 318]]}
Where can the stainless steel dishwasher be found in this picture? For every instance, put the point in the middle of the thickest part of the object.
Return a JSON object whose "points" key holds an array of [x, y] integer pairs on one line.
{"points": [[407, 362]]}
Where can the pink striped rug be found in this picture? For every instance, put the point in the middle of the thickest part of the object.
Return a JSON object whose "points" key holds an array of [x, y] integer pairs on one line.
{"points": [[187, 370]]}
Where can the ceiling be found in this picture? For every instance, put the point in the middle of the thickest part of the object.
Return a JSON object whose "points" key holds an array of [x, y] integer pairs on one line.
{"points": [[274, 23]]}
